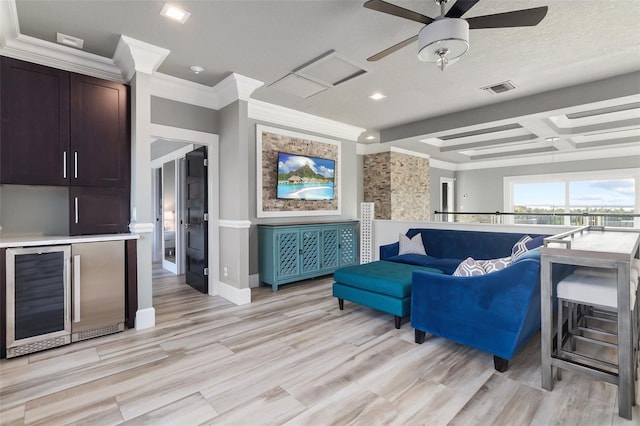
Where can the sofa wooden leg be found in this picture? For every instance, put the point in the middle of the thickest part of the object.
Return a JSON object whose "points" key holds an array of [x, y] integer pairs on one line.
{"points": [[398, 321], [341, 304], [500, 364], [420, 336]]}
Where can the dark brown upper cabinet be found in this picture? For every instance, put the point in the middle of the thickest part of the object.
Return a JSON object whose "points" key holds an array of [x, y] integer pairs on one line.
{"points": [[34, 134], [61, 128], [100, 148]]}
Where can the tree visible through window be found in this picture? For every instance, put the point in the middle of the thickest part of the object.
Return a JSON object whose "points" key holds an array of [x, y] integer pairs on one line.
{"points": [[574, 193]]}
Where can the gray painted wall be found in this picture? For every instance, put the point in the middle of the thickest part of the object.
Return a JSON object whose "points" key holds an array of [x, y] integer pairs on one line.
{"points": [[34, 210], [185, 116], [235, 188], [436, 188], [483, 190]]}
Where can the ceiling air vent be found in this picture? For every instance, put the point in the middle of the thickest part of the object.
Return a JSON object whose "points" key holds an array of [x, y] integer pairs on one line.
{"points": [[505, 86]]}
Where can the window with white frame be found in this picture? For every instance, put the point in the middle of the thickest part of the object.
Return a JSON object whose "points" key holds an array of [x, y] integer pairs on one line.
{"points": [[579, 198]]}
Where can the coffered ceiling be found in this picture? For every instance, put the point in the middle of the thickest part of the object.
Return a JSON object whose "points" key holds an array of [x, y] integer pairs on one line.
{"points": [[576, 74]]}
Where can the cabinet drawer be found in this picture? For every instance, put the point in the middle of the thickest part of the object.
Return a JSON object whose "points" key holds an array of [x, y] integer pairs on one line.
{"points": [[98, 210]]}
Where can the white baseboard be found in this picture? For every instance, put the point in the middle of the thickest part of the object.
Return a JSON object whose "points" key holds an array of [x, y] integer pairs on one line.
{"points": [[145, 318], [254, 281], [239, 296]]}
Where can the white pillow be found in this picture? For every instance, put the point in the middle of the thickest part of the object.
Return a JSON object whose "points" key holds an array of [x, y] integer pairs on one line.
{"points": [[469, 268], [493, 265], [411, 245]]}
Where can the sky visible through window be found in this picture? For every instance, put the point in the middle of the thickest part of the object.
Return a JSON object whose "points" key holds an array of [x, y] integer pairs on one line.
{"points": [[612, 193]]}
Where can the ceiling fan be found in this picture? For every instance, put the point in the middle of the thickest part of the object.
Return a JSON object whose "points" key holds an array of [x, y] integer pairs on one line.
{"points": [[447, 37]]}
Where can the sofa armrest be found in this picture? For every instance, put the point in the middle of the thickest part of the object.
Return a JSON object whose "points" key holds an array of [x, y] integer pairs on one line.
{"points": [[495, 312], [389, 250]]}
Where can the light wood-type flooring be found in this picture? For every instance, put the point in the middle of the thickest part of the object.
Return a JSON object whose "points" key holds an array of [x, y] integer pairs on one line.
{"points": [[290, 357]]}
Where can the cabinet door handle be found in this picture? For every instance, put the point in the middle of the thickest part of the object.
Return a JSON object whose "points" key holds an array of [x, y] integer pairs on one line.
{"points": [[75, 164], [76, 288], [64, 164], [75, 201]]}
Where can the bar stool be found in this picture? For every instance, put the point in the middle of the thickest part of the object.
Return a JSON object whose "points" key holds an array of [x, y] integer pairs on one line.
{"points": [[591, 297]]}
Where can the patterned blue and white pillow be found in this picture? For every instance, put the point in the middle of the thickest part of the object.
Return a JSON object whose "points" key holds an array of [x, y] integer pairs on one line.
{"points": [[469, 268], [493, 265], [411, 245], [520, 248]]}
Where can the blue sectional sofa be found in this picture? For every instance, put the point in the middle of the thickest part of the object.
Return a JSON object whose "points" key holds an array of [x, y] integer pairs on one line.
{"points": [[497, 312]]}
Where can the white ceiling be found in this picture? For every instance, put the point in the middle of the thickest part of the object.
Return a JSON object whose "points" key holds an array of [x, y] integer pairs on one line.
{"points": [[578, 42]]}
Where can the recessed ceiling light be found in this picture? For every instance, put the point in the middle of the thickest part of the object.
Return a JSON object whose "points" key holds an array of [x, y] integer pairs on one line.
{"points": [[196, 69], [69, 40], [377, 96], [370, 138], [551, 139], [175, 13]]}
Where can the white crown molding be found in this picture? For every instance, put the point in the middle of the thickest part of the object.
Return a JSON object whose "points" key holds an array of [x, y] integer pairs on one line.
{"points": [[235, 87], [23, 47], [160, 131], [237, 224], [263, 111], [141, 227], [554, 157], [409, 152], [133, 56], [177, 89], [444, 165]]}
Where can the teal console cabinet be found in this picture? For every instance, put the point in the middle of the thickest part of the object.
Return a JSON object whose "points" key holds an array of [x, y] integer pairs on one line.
{"points": [[295, 252]]}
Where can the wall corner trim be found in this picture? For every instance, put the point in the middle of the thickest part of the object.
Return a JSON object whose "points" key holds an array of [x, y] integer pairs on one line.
{"points": [[145, 318], [141, 228], [238, 224], [239, 296]]}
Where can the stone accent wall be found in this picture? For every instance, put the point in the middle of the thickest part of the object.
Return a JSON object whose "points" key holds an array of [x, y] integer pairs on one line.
{"points": [[273, 143], [377, 183], [398, 184]]}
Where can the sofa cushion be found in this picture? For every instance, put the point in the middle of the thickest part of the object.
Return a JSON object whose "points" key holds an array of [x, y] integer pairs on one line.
{"points": [[390, 278], [469, 268], [447, 266], [411, 245]]}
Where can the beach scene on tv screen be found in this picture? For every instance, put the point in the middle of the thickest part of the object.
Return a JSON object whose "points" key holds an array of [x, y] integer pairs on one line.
{"points": [[305, 178]]}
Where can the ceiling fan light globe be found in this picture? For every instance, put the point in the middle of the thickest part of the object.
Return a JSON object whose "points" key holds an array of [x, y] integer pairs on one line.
{"points": [[446, 33]]}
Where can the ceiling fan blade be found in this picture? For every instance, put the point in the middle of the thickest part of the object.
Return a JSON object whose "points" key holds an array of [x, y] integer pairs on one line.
{"points": [[392, 49], [460, 7], [392, 9], [516, 18]]}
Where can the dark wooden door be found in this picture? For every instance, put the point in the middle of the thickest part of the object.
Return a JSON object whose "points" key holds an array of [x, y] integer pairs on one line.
{"points": [[98, 210], [196, 267], [34, 134], [100, 143]]}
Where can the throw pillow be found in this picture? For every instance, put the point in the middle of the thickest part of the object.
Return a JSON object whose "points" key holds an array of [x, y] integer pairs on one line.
{"points": [[411, 245], [535, 243], [520, 248], [469, 268], [493, 265]]}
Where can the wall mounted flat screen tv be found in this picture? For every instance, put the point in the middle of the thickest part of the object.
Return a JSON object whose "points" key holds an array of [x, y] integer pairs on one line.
{"points": [[301, 177]]}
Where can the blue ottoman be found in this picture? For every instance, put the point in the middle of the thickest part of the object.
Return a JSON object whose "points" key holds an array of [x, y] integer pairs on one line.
{"points": [[384, 286]]}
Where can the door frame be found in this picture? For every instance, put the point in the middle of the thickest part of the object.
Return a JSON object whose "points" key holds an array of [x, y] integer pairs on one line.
{"points": [[450, 197], [211, 141]]}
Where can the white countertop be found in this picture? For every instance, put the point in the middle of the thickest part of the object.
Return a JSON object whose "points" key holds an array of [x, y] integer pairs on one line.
{"points": [[52, 240]]}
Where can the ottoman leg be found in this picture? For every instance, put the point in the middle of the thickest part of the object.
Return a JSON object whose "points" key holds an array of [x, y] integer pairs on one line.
{"points": [[500, 364], [420, 336], [398, 321], [341, 304]]}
